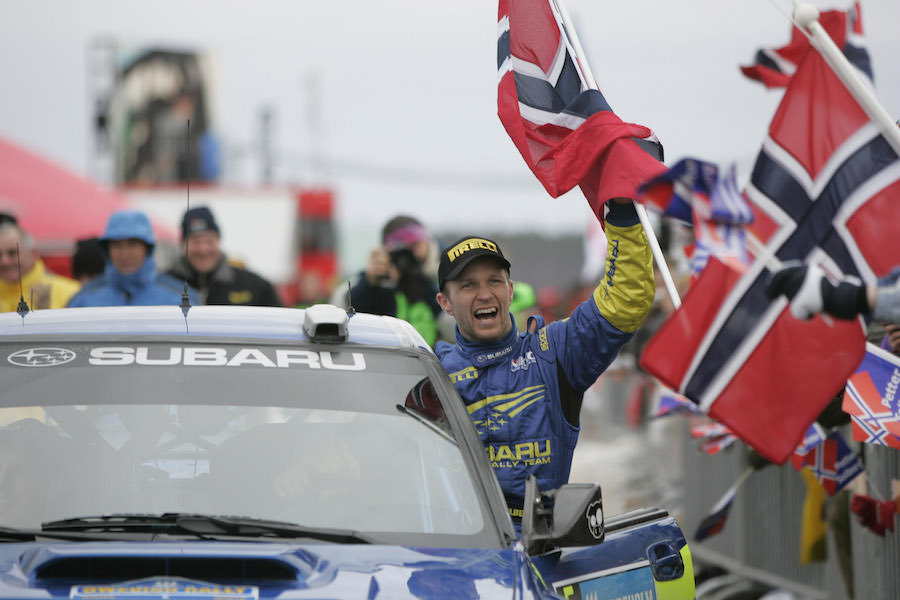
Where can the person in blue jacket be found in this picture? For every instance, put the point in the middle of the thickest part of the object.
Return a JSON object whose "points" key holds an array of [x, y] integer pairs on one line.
{"points": [[524, 390], [130, 276]]}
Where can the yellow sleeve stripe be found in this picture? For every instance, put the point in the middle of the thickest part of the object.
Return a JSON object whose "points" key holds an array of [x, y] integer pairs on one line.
{"points": [[626, 292]]}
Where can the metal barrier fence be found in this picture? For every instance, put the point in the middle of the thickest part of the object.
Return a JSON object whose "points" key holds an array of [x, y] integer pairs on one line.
{"points": [[761, 538]]}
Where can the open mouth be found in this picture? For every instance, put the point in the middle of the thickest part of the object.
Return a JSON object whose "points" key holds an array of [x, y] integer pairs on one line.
{"points": [[485, 314]]}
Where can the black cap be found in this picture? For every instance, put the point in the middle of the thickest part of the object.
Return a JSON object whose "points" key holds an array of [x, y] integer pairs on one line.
{"points": [[198, 220], [460, 253]]}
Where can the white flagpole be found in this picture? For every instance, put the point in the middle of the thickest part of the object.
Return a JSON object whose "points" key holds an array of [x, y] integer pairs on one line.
{"points": [[807, 16], [641, 211]]}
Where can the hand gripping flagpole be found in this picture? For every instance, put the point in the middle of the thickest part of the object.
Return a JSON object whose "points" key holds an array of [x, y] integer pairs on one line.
{"points": [[641, 210], [807, 17]]}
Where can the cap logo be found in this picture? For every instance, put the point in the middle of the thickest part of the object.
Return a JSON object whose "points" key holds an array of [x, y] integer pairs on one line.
{"points": [[470, 244], [198, 225]]}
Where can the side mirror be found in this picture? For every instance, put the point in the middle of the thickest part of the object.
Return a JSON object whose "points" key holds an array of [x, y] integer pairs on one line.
{"points": [[571, 515]]}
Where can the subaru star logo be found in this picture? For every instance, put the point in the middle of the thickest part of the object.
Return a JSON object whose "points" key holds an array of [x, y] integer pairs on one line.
{"points": [[41, 357]]}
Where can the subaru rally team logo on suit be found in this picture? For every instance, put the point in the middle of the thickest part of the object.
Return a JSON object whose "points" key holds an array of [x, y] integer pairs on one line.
{"points": [[41, 357]]}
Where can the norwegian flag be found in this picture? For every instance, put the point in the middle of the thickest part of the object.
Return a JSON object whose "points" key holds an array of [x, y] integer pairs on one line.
{"points": [[566, 132], [825, 189], [715, 444], [714, 522], [871, 399], [692, 191], [833, 463], [715, 436], [671, 403], [774, 67], [709, 429], [814, 436]]}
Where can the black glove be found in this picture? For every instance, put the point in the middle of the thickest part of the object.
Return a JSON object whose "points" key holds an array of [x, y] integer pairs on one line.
{"points": [[810, 293]]}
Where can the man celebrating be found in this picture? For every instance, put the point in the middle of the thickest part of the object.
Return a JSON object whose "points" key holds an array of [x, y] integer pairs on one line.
{"points": [[206, 268], [524, 391], [130, 277], [23, 275]]}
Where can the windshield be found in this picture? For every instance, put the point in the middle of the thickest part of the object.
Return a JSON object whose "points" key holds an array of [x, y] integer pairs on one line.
{"points": [[348, 440]]}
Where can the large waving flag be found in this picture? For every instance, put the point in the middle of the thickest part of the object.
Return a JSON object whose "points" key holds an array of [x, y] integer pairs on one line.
{"points": [[825, 189], [566, 132], [774, 67], [872, 398]]}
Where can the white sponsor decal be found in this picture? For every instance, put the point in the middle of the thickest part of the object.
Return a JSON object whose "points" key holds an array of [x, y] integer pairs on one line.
{"points": [[523, 362], [41, 357], [224, 357]]}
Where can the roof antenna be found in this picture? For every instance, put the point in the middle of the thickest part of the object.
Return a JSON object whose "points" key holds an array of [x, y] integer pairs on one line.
{"points": [[350, 310], [22, 307], [185, 297]]}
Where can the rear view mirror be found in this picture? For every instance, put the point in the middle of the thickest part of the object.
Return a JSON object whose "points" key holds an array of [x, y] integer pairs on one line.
{"points": [[571, 515]]}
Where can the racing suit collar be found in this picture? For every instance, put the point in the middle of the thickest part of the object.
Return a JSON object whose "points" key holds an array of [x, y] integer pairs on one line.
{"points": [[488, 354]]}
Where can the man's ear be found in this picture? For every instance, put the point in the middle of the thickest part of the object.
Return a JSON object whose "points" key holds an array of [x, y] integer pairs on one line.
{"points": [[445, 303]]}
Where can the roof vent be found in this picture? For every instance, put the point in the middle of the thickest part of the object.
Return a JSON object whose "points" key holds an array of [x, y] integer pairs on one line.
{"points": [[325, 323]]}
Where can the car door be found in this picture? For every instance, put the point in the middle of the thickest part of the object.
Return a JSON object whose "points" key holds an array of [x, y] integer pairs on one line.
{"points": [[644, 555]]}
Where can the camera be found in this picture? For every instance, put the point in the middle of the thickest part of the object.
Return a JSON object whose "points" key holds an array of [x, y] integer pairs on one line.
{"points": [[404, 260]]}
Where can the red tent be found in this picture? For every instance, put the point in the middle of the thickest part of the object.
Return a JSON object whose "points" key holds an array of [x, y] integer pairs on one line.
{"points": [[55, 205]]}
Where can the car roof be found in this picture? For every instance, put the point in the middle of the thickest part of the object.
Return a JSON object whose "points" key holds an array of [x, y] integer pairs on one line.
{"points": [[263, 322]]}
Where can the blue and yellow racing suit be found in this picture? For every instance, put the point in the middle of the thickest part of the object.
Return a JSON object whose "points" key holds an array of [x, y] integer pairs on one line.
{"points": [[524, 392]]}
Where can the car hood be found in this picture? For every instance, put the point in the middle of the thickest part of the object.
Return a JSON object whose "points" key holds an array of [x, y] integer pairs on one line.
{"points": [[103, 570]]}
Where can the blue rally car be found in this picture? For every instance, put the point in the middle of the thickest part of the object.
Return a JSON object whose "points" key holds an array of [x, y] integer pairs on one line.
{"points": [[238, 452]]}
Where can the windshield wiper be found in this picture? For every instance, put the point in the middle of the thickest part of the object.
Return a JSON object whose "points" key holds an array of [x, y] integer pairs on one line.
{"points": [[205, 526], [427, 422], [11, 534]]}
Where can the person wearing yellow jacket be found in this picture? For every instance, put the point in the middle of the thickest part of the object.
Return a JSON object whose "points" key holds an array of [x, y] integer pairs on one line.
{"points": [[39, 287]]}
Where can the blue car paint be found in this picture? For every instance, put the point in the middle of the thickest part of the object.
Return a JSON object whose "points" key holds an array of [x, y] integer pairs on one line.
{"points": [[321, 571]]}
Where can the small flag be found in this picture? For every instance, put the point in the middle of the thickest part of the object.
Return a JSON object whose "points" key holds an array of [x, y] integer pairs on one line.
{"points": [[814, 436], [671, 403], [714, 522], [693, 192], [833, 463], [813, 545], [871, 398]]}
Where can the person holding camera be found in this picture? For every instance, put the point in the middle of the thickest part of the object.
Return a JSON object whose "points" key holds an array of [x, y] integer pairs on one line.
{"points": [[395, 282]]}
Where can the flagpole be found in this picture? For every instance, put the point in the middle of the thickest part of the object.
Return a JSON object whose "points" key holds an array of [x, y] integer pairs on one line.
{"points": [[641, 210], [807, 16]]}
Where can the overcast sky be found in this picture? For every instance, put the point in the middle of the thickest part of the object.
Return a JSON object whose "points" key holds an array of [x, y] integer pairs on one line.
{"points": [[406, 89]]}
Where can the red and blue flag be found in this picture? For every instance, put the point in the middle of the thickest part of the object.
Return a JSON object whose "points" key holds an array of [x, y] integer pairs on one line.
{"points": [[825, 189], [774, 67], [567, 132], [671, 403], [694, 192], [833, 463], [814, 436], [871, 398], [714, 522]]}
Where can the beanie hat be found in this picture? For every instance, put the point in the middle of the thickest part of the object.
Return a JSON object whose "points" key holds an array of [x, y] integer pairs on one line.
{"points": [[198, 220]]}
